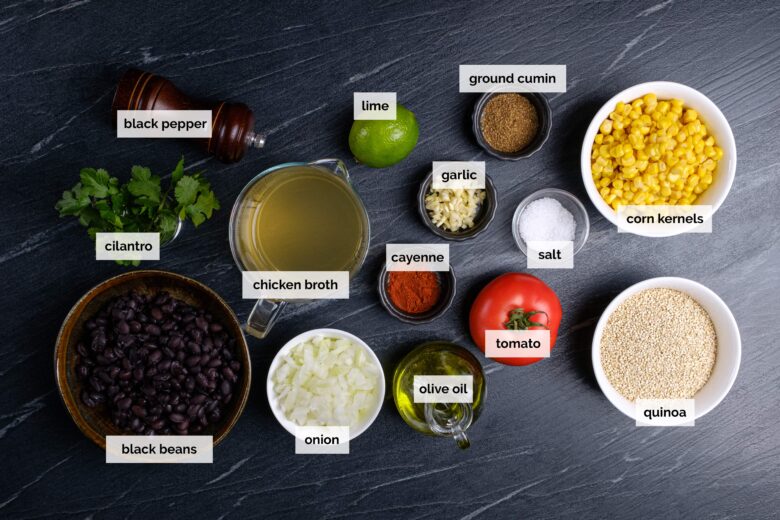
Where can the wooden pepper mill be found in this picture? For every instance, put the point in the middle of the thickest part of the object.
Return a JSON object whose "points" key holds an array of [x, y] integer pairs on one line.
{"points": [[232, 124]]}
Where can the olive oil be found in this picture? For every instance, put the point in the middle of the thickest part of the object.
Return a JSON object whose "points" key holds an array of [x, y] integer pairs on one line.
{"points": [[301, 218], [438, 358]]}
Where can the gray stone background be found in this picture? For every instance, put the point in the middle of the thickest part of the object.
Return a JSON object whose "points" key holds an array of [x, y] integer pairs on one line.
{"points": [[549, 444]]}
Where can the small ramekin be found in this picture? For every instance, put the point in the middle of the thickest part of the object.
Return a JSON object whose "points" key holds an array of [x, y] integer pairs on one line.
{"points": [[568, 201], [483, 219], [448, 286], [543, 112]]}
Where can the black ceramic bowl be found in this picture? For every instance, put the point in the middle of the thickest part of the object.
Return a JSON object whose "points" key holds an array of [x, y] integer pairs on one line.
{"points": [[483, 219], [447, 281], [543, 111]]}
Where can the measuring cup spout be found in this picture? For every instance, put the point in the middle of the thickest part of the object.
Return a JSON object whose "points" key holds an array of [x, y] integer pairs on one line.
{"points": [[335, 166]]}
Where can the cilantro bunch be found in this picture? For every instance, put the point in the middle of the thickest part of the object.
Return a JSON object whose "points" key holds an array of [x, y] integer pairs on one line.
{"points": [[140, 205]]}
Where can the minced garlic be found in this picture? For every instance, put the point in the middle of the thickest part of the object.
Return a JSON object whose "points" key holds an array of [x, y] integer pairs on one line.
{"points": [[454, 209]]}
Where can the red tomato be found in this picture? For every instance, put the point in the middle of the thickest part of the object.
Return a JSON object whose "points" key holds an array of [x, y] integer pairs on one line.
{"points": [[493, 306]]}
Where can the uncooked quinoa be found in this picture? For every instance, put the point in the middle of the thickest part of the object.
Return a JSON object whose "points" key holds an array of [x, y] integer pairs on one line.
{"points": [[659, 344]]}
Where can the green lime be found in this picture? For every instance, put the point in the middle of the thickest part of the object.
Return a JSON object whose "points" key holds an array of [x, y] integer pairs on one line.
{"points": [[383, 143]]}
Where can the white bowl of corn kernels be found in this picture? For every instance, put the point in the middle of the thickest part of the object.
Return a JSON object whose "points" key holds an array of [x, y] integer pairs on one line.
{"points": [[658, 143]]}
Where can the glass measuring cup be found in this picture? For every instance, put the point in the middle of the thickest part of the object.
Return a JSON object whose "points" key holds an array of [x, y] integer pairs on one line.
{"points": [[297, 217], [439, 358]]}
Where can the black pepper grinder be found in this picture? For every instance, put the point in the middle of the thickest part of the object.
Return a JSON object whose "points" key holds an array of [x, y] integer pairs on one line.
{"points": [[232, 124]]}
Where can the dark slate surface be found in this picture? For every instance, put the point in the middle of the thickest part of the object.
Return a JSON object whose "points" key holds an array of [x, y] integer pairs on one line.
{"points": [[549, 444]]}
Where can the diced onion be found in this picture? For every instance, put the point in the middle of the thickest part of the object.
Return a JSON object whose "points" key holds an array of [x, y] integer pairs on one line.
{"points": [[326, 382]]}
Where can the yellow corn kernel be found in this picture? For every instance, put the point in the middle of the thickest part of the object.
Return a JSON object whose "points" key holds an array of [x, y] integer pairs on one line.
{"points": [[597, 168], [718, 153], [606, 126], [604, 182], [604, 192], [599, 138], [690, 115], [618, 183], [663, 107]]}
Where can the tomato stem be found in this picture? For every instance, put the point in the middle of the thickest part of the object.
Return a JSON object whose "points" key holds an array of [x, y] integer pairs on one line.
{"points": [[521, 320]]}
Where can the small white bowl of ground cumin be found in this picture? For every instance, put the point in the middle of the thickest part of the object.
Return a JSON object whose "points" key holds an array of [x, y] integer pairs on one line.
{"points": [[666, 338], [511, 126]]}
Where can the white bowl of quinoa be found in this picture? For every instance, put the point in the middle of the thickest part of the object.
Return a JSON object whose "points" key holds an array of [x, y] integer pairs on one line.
{"points": [[666, 338]]}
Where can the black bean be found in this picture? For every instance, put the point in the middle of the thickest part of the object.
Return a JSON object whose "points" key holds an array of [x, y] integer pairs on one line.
{"points": [[215, 327], [124, 404], [202, 324], [155, 356], [82, 371], [152, 329], [226, 388], [138, 374], [193, 347], [123, 327], [139, 411], [192, 361], [177, 417], [156, 313], [135, 326]]}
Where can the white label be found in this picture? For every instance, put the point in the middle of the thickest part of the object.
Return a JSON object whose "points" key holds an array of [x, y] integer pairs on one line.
{"points": [[517, 343], [163, 123], [417, 257], [322, 440], [664, 412], [443, 389], [375, 105], [296, 285], [513, 78], [469, 175], [550, 254], [127, 246], [659, 220], [164, 449]]}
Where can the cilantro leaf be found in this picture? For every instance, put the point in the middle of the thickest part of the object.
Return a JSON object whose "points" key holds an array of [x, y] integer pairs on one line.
{"points": [[178, 172], [95, 182], [203, 208], [145, 186], [186, 190], [73, 201]]}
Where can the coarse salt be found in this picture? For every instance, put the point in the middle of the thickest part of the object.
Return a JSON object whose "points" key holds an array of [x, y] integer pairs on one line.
{"points": [[545, 220]]}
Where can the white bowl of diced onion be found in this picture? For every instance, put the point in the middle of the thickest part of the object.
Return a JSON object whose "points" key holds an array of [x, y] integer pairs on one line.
{"points": [[717, 126], [326, 377]]}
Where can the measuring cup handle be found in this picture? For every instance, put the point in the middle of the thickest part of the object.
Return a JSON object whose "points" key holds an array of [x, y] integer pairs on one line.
{"points": [[263, 316]]}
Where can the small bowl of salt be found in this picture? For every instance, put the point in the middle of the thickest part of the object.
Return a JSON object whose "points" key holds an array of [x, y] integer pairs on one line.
{"points": [[550, 215]]}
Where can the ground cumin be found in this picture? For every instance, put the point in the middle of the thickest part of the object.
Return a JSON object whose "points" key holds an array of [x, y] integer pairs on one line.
{"points": [[414, 292], [509, 122]]}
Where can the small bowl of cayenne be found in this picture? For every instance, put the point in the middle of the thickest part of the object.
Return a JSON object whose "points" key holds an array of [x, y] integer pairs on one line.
{"points": [[416, 296]]}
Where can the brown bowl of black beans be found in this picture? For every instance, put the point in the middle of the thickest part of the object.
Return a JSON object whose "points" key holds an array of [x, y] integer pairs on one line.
{"points": [[152, 353]]}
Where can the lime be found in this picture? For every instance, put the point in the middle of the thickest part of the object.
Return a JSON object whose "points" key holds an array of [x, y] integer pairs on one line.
{"points": [[379, 144]]}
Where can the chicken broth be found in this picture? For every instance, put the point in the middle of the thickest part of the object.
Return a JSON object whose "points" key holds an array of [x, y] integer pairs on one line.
{"points": [[301, 218]]}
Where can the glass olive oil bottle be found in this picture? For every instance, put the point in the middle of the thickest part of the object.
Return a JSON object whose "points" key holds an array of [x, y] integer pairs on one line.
{"points": [[438, 358]]}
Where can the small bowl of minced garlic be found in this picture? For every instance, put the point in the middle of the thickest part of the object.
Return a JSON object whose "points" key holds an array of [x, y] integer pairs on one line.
{"points": [[457, 214]]}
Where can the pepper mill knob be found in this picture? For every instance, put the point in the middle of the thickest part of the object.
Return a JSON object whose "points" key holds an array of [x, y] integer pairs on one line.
{"points": [[232, 124]]}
